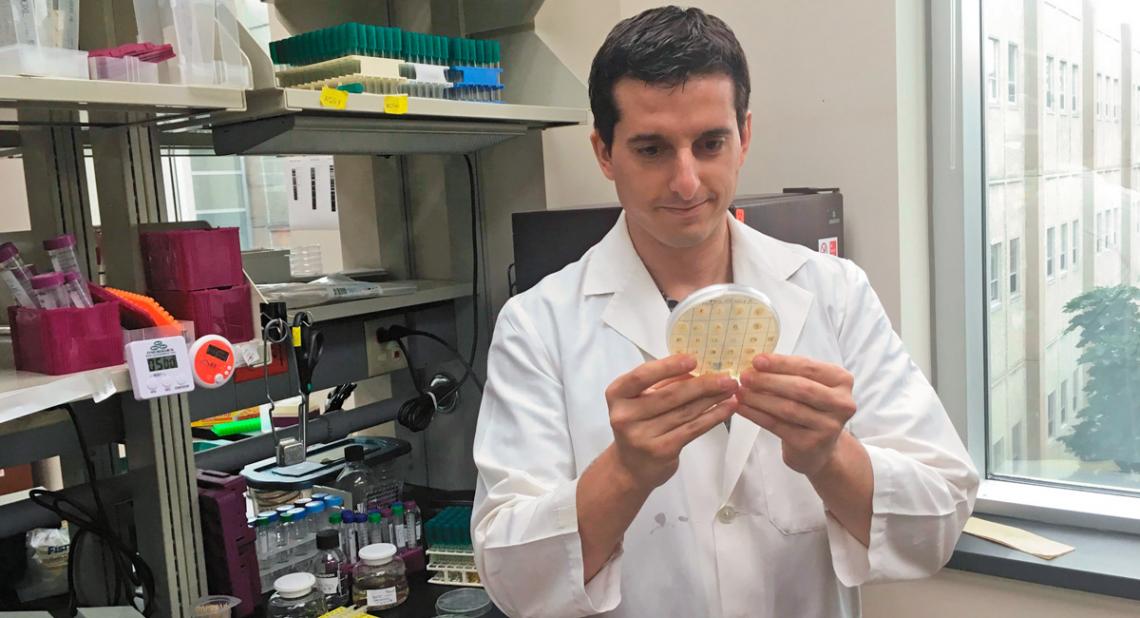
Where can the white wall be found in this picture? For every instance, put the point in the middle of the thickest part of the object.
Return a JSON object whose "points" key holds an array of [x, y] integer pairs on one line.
{"points": [[837, 100], [954, 594]]}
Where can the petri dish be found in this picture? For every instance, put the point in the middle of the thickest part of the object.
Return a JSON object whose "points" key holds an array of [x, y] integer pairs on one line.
{"points": [[724, 326], [463, 602]]}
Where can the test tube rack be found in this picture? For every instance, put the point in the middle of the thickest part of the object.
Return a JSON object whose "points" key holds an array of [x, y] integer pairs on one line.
{"points": [[451, 556]]}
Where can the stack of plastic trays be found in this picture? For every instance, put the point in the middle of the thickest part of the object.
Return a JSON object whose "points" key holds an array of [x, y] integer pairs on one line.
{"points": [[357, 55], [125, 69], [375, 75], [450, 554], [39, 37]]}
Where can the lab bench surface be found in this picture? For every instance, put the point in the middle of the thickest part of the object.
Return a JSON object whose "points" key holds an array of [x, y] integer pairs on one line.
{"points": [[420, 603], [421, 600]]}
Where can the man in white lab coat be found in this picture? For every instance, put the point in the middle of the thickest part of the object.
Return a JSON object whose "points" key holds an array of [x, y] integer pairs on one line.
{"points": [[612, 481]]}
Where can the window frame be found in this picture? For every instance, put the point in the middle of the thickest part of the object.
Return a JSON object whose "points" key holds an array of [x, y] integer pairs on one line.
{"points": [[1062, 79], [957, 210], [993, 89]]}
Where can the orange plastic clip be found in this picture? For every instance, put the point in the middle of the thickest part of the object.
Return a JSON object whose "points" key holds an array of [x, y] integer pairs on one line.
{"points": [[146, 305]]}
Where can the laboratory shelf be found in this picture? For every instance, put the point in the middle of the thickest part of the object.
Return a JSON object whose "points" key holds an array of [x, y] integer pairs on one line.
{"points": [[294, 121], [49, 93], [427, 292], [23, 392]]}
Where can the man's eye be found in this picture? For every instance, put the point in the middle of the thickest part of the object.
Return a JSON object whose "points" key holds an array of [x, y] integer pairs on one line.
{"points": [[713, 145], [649, 151]]}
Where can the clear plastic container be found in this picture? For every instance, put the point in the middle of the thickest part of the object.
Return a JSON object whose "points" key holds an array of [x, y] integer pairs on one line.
{"points": [[50, 291], [283, 538], [215, 606], [415, 526], [301, 536], [61, 250], [316, 516], [77, 291], [266, 534], [724, 326], [398, 520], [38, 61], [332, 570], [469, 602], [356, 479], [296, 596], [125, 69], [15, 275], [379, 580]]}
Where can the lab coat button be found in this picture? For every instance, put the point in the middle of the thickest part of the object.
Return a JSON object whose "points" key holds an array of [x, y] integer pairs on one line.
{"points": [[726, 514]]}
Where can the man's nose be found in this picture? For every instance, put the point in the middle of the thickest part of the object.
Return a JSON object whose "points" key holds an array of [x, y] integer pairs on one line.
{"points": [[685, 183]]}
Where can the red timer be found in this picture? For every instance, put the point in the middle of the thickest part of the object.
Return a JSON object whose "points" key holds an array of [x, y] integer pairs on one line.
{"points": [[212, 359]]}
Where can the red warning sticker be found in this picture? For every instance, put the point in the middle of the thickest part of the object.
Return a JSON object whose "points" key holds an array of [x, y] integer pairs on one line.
{"points": [[829, 246]]}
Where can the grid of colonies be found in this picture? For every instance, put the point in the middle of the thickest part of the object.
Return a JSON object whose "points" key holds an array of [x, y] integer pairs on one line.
{"points": [[725, 333]]}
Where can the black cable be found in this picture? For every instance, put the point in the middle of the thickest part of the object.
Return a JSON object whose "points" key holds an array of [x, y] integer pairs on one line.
{"points": [[130, 574], [475, 220], [417, 412]]}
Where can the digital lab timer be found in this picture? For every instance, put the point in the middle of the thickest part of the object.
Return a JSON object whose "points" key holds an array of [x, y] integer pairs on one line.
{"points": [[158, 367], [212, 361]]}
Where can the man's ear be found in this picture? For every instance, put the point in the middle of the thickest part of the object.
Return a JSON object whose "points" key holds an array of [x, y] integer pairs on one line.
{"points": [[745, 136], [603, 154]]}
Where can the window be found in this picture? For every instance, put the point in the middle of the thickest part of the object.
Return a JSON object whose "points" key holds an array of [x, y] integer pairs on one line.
{"points": [[1076, 390], [1012, 74], [1018, 442], [1018, 378], [1051, 409], [1064, 402], [1050, 251], [1063, 78], [1099, 96], [1076, 242], [1063, 257], [1116, 99], [1115, 228], [991, 71], [995, 274], [1049, 83], [294, 175], [1099, 232], [1075, 99], [1014, 267]]}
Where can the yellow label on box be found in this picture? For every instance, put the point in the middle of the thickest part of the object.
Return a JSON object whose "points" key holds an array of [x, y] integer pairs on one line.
{"points": [[396, 104], [331, 97]]}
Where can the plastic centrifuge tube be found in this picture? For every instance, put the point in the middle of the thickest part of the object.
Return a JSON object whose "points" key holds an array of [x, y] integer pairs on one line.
{"points": [[50, 291], [16, 277], [76, 290]]}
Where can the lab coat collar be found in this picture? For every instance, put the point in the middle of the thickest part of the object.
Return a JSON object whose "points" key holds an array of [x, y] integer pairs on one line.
{"points": [[638, 312]]}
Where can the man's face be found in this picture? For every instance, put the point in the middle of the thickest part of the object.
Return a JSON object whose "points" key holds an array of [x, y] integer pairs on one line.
{"points": [[675, 157]]}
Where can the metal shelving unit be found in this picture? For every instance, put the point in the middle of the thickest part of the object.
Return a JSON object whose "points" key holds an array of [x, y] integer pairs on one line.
{"points": [[23, 393], [427, 292], [160, 100], [293, 121]]}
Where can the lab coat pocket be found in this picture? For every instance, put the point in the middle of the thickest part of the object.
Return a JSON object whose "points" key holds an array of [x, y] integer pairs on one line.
{"points": [[784, 495]]}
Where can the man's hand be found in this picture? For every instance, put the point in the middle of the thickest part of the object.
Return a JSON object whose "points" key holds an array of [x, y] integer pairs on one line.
{"points": [[655, 410], [806, 403], [658, 408]]}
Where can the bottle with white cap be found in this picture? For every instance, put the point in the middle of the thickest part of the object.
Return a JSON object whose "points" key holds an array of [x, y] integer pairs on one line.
{"points": [[379, 580], [296, 597]]}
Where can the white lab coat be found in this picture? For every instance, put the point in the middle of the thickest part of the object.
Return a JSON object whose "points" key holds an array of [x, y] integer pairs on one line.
{"points": [[734, 532]]}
